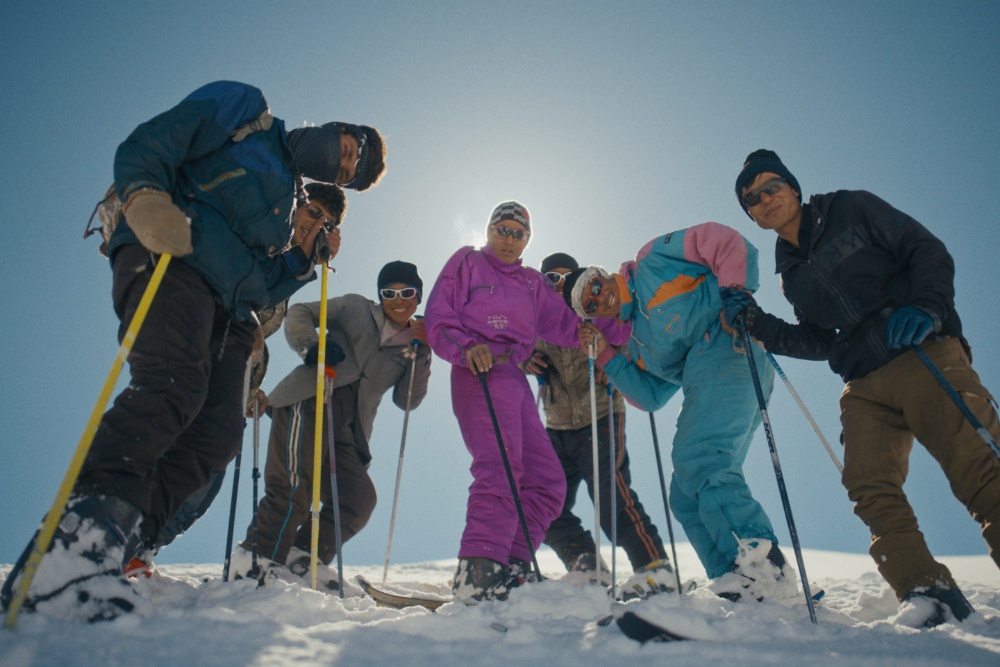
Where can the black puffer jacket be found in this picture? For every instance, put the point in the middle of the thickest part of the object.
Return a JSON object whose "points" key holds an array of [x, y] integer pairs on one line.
{"points": [[858, 260]]}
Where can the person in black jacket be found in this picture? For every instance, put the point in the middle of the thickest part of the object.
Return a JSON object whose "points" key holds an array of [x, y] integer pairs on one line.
{"points": [[867, 283]]}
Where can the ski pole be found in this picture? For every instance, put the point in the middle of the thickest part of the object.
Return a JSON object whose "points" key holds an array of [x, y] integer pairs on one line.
{"points": [[957, 399], [765, 420], [54, 515], [338, 534], [256, 477], [541, 384], [613, 500], [510, 475], [236, 487], [596, 458], [666, 503], [318, 431], [412, 353], [232, 515], [805, 410]]}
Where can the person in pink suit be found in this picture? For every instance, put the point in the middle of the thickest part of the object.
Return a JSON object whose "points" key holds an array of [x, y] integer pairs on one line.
{"points": [[484, 314]]}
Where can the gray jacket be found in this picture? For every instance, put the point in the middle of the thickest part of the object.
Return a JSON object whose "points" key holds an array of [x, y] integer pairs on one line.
{"points": [[355, 323]]}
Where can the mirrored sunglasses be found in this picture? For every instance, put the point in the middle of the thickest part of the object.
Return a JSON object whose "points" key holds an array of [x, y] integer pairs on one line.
{"points": [[595, 291], [405, 293], [507, 232], [771, 187]]}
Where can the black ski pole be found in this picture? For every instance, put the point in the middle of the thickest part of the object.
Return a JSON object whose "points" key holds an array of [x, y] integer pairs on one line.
{"points": [[256, 476], [957, 399], [232, 516], [666, 503], [748, 349], [247, 375], [510, 475]]}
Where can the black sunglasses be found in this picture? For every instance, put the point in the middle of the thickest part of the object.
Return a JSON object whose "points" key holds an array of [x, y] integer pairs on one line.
{"points": [[318, 215], [771, 187]]}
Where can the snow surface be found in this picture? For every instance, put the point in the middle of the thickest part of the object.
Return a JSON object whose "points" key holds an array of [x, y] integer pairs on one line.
{"points": [[194, 618]]}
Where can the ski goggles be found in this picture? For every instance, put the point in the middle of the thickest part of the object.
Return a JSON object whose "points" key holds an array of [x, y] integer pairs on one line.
{"points": [[318, 215], [771, 187], [508, 233], [595, 291], [404, 293], [555, 277]]}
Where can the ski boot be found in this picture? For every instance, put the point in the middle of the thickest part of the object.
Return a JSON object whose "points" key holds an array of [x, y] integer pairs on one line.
{"points": [[927, 607], [759, 572], [482, 579], [582, 569], [650, 579]]}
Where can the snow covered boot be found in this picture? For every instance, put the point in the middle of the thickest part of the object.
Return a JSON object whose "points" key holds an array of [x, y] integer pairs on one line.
{"points": [[523, 572], [759, 572], [925, 607], [79, 578], [141, 564], [482, 579], [583, 569], [241, 566], [299, 563], [650, 579]]}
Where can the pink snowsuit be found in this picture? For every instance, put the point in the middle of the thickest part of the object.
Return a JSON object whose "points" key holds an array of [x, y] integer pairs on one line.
{"points": [[477, 299]]}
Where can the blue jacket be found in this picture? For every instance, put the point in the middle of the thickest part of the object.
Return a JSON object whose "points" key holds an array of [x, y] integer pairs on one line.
{"points": [[239, 196], [671, 297]]}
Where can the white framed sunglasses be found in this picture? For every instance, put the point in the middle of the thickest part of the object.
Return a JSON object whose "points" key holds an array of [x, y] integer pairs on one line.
{"points": [[403, 293]]}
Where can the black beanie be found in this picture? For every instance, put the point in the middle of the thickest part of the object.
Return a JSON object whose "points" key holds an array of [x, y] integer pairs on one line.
{"points": [[558, 260], [400, 272], [759, 162]]}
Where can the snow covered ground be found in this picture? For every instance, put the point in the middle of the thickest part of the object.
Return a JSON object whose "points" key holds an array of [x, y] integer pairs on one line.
{"points": [[196, 619]]}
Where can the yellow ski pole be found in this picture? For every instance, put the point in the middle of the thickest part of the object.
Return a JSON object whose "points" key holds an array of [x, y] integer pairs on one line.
{"points": [[54, 515], [318, 447]]}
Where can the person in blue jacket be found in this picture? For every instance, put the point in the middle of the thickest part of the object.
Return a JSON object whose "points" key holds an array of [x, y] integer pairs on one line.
{"points": [[671, 295], [213, 182]]}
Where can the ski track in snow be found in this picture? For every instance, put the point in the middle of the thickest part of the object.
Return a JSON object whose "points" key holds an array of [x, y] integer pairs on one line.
{"points": [[193, 618]]}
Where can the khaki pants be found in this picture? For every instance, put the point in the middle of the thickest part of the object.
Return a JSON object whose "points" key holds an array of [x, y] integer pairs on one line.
{"points": [[881, 413]]}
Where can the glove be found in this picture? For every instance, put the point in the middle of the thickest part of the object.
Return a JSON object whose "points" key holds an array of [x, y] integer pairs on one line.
{"points": [[334, 354], [908, 326], [735, 300], [158, 224]]}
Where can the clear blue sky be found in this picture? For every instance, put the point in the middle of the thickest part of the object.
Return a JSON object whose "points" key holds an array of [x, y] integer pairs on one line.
{"points": [[612, 122]]}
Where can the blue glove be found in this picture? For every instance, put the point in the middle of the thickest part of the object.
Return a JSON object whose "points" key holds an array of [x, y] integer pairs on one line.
{"points": [[734, 301], [908, 326], [334, 354]]}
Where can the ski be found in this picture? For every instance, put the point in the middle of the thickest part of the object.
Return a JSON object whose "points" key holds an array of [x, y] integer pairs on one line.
{"points": [[397, 601]]}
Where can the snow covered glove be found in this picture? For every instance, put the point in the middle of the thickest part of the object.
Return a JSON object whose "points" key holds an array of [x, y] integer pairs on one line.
{"points": [[908, 326], [334, 354], [158, 224]]}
